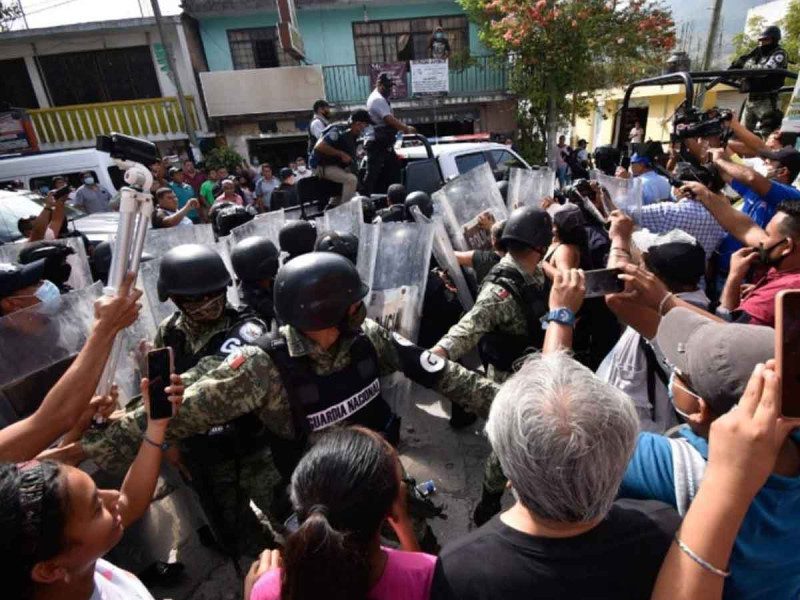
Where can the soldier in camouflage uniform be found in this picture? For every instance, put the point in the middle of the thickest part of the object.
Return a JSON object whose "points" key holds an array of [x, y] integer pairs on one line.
{"points": [[321, 369], [230, 466], [762, 113], [505, 321], [255, 261]]}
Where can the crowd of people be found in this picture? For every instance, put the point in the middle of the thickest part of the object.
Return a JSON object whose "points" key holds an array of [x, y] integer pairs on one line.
{"points": [[640, 428]]}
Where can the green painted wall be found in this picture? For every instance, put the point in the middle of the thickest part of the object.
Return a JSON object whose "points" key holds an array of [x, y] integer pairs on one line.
{"points": [[327, 33]]}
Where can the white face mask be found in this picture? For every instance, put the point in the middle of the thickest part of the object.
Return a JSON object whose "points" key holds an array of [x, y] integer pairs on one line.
{"points": [[301, 168], [89, 181], [47, 292]]}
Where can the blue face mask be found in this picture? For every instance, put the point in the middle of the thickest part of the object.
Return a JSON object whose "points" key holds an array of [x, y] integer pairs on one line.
{"points": [[47, 292], [89, 181], [684, 416]]}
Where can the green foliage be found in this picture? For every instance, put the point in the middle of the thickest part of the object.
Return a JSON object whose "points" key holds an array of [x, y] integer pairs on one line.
{"points": [[790, 28], [223, 156]]}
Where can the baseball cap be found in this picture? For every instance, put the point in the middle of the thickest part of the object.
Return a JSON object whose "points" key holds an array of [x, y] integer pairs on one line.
{"points": [[788, 157], [14, 277], [716, 359], [568, 217], [641, 159], [285, 173], [174, 170], [385, 78]]}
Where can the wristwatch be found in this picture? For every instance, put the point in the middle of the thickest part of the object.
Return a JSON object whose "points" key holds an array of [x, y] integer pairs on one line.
{"points": [[563, 315]]}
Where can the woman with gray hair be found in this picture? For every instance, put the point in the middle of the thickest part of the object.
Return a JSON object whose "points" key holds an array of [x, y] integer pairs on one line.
{"points": [[564, 439]]}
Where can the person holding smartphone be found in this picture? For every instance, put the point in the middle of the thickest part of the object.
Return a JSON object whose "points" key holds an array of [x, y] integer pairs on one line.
{"points": [[56, 524]]}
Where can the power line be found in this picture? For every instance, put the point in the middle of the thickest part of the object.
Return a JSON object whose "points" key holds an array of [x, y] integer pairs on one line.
{"points": [[46, 8]]}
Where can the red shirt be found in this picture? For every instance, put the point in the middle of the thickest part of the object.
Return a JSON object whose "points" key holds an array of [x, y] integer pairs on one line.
{"points": [[759, 304], [195, 181]]}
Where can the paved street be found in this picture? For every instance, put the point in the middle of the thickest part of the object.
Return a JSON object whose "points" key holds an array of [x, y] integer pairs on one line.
{"points": [[430, 450]]}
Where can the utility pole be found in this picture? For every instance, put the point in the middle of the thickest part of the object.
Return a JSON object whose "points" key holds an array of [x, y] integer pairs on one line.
{"points": [[178, 86], [712, 35], [24, 16]]}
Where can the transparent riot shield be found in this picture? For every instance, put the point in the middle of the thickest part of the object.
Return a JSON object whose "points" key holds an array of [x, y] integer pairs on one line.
{"points": [[345, 218], [38, 340], [223, 247], [267, 225], [527, 187], [159, 241], [148, 283], [80, 275], [445, 255], [625, 194], [470, 204]]}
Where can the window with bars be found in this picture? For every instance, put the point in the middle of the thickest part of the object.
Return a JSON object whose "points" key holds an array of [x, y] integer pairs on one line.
{"points": [[257, 48], [400, 40]]}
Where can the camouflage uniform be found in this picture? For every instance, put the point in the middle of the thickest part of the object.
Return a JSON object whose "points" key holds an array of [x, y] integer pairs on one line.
{"points": [[249, 382], [226, 484], [762, 113]]}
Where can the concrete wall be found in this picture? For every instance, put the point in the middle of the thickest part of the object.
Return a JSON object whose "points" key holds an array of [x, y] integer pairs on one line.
{"points": [[327, 32]]}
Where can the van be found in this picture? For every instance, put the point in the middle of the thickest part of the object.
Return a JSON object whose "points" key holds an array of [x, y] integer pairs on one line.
{"points": [[36, 171]]}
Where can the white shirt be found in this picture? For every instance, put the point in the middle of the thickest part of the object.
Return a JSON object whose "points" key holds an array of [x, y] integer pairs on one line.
{"points": [[318, 125], [378, 107], [636, 135], [113, 583]]}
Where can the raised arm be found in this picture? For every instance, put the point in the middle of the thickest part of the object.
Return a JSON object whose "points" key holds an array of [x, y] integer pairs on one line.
{"points": [[740, 173], [568, 291], [465, 258], [748, 141], [70, 396], [738, 224], [173, 220]]}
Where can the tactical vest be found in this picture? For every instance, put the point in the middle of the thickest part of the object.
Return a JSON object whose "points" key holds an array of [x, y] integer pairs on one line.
{"points": [[774, 58], [502, 349], [350, 396], [345, 142]]}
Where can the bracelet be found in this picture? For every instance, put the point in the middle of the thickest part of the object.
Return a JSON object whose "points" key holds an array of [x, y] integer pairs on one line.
{"points": [[663, 302], [163, 446], [703, 563]]}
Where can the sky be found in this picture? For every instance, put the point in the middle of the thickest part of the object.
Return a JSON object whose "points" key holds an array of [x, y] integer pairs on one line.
{"points": [[46, 13]]}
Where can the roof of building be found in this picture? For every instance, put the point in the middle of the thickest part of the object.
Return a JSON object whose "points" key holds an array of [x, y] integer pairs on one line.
{"points": [[115, 24]]}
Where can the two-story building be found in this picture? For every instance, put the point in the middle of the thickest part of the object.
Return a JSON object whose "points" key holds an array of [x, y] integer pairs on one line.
{"points": [[259, 95], [78, 81]]}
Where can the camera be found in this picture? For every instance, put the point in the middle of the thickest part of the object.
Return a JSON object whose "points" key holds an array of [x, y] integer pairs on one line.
{"points": [[126, 147], [690, 122]]}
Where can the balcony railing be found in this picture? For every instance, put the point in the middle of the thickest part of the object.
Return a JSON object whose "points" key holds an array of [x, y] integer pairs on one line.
{"points": [[344, 84], [76, 126]]}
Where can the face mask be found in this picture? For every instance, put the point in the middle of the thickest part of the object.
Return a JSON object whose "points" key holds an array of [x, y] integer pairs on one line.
{"points": [[89, 181], [684, 416], [301, 168], [764, 254], [47, 292], [439, 36], [203, 312], [260, 300], [353, 323]]}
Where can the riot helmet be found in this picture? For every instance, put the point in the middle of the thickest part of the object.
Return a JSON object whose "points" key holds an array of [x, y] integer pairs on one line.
{"points": [[315, 291], [341, 243], [55, 256], [191, 270], [422, 201], [255, 258], [771, 32], [529, 226], [297, 237], [231, 217], [607, 159]]}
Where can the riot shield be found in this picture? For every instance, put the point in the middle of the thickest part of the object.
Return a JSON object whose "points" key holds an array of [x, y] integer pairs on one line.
{"points": [[445, 255], [527, 187], [36, 340], [267, 225], [159, 241], [468, 203], [223, 247], [625, 194], [148, 282], [345, 218], [80, 275]]}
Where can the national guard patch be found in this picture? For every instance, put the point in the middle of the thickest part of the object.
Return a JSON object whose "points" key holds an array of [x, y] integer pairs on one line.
{"points": [[251, 331]]}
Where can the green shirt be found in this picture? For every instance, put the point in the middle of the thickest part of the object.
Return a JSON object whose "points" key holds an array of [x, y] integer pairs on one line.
{"points": [[207, 191]]}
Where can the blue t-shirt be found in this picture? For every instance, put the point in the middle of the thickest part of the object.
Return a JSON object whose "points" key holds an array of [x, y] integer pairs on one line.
{"points": [[765, 563], [184, 192], [655, 188], [759, 208]]}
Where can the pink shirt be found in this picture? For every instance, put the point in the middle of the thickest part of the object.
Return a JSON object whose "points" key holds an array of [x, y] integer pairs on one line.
{"points": [[407, 576], [236, 199]]}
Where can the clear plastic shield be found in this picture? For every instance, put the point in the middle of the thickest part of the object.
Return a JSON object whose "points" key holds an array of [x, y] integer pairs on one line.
{"points": [[36, 338], [159, 241], [223, 247], [625, 194], [81, 275], [445, 255], [345, 218], [148, 282], [527, 187], [267, 225], [470, 204]]}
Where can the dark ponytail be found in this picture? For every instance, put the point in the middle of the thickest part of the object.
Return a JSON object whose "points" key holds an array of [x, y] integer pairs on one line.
{"points": [[342, 491], [33, 507]]}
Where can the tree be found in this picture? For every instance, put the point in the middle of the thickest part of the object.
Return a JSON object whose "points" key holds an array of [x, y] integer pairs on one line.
{"points": [[223, 157], [560, 52], [8, 14], [790, 29]]}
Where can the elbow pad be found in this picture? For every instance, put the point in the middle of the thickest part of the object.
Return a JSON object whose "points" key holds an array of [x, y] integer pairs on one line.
{"points": [[419, 365]]}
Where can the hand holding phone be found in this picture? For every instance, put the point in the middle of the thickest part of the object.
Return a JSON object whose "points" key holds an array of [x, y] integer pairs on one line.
{"points": [[601, 282], [787, 349], [160, 365]]}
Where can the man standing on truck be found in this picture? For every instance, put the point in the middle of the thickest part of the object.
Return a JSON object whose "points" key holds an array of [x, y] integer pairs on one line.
{"points": [[382, 162]]}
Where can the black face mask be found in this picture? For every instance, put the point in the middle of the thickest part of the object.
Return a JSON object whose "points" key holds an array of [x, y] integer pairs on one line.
{"points": [[260, 300], [764, 254], [351, 324]]}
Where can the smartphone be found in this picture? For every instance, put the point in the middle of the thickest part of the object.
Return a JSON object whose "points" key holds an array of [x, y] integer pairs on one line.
{"points": [[787, 349], [603, 281], [62, 192], [160, 365]]}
